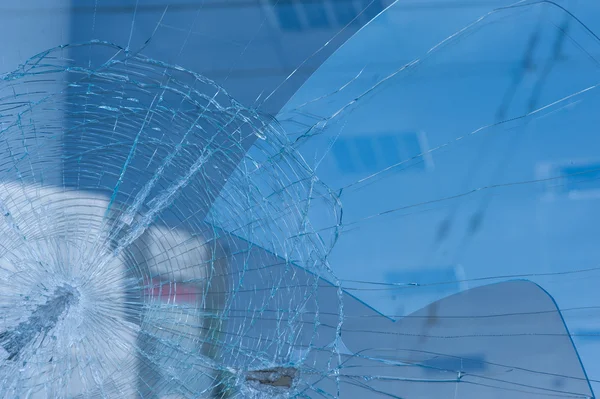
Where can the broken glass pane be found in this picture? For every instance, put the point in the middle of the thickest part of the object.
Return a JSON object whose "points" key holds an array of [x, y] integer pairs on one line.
{"points": [[337, 199]]}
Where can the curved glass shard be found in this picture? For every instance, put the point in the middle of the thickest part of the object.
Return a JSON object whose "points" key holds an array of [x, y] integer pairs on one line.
{"points": [[504, 339], [461, 140]]}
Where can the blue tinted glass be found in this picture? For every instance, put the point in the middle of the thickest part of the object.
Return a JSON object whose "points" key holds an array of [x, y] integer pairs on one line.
{"points": [[287, 13], [316, 14], [345, 11], [299, 198]]}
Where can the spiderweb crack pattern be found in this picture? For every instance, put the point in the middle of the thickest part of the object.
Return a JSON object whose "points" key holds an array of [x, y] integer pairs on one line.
{"points": [[151, 228]]}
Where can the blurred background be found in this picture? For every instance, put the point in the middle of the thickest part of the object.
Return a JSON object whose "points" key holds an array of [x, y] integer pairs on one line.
{"points": [[460, 137]]}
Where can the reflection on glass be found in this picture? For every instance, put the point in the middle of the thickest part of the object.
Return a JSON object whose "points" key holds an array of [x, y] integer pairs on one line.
{"points": [[340, 199]]}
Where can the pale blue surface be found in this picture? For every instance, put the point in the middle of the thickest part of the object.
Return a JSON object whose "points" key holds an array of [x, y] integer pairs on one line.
{"points": [[486, 204], [412, 214]]}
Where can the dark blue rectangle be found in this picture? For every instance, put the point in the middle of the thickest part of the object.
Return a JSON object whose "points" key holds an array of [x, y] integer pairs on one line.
{"points": [[467, 364], [287, 16], [316, 15], [580, 177], [423, 276], [373, 152], [345, 11], [341, 152], [371, 8], [368, 159]]}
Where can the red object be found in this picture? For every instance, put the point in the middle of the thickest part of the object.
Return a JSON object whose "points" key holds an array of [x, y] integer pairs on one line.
{"points": [[172, 292]]}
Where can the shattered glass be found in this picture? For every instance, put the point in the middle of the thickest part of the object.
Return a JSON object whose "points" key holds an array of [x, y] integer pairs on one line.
{"points": [[383, 217]]}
